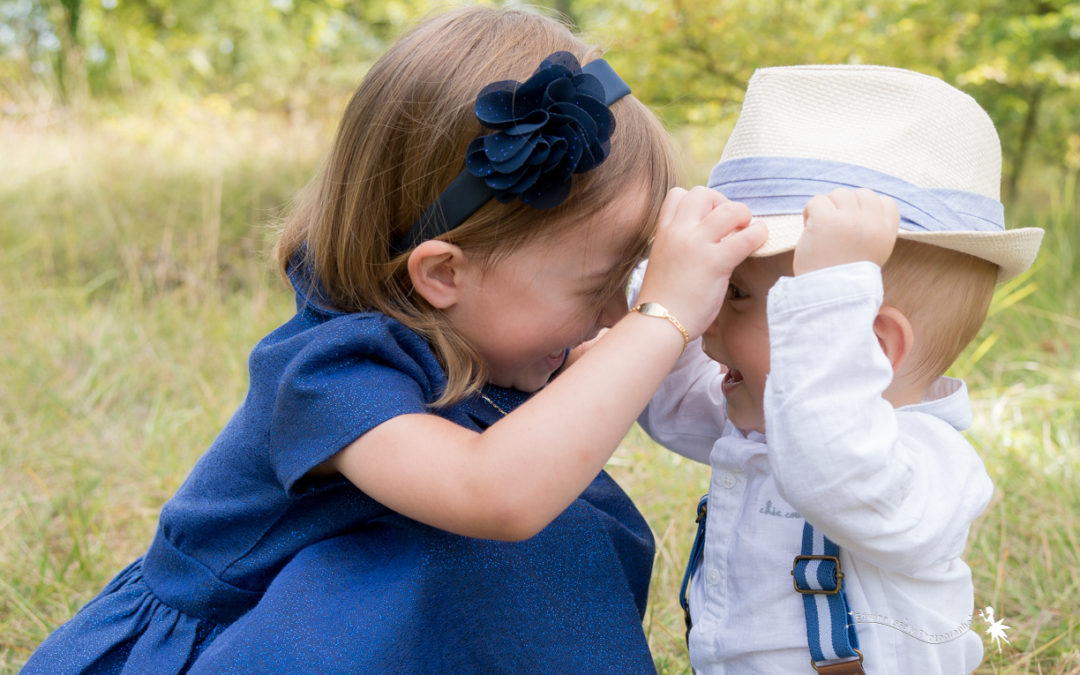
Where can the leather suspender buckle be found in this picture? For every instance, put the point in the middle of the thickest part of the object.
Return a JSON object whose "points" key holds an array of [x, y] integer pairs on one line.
{"points": [[848, 666], [837, 575]]}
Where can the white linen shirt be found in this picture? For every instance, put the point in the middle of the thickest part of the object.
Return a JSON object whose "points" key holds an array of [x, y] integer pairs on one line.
{"points": [[896, 488]]}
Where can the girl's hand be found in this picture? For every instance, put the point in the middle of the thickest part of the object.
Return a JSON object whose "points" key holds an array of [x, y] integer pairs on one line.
{"points": [[846, 226], [701, 237], [519, 474]]}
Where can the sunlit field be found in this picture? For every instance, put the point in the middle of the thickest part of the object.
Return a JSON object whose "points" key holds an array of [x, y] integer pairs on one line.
{"points": [[135, 276]]}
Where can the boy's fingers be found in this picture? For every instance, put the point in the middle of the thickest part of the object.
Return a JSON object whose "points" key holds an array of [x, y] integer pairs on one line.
{"points": [[892, 211], [819, 206], [846, 199], [871, 203]]}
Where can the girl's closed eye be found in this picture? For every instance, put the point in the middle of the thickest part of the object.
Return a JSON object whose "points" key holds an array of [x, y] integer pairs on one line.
{"points": [[598, 293], [601, 292]]}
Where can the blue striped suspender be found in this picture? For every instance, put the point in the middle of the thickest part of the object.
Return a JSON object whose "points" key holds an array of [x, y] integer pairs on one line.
{"points": [[816, 574], [693, 563], [830, 632]]}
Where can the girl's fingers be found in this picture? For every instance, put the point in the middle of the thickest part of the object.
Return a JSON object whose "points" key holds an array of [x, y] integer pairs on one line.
{"points": [[696, 205], [740, 243], [718, 197], [671, 203], [725, 219], [704, 201]]}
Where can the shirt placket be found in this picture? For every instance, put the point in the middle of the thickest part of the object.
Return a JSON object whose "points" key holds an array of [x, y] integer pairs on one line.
{"points": [[725, 496]]}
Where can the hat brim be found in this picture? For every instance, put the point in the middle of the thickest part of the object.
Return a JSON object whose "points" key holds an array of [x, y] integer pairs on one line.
{"points": [[1012, 251]]}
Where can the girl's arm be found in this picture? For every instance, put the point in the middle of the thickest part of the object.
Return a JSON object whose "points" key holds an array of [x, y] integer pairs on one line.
{"points": [[686, 414], [517, 476]]}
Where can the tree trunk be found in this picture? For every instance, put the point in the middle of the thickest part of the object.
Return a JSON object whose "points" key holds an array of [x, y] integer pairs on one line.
{"points": [[1026, 135], [68, 63]]}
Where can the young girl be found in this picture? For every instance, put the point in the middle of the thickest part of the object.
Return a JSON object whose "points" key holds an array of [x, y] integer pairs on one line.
{"points": [[381, 501]]}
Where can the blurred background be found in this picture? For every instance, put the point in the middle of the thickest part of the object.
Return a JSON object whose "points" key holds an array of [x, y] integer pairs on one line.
{"points": [[147, 148]]}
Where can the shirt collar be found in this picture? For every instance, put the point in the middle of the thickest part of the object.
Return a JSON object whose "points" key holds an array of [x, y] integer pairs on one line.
{"points": [[947, 398]]}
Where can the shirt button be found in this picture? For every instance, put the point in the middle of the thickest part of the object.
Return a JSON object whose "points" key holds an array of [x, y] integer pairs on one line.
{"points": [[728, 480], [713, 576]]}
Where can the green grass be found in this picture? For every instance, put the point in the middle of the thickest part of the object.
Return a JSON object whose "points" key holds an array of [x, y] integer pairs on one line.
{"points": [[134, 279]]}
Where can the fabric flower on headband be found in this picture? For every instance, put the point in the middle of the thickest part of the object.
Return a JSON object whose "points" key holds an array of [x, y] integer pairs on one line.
{"points": [[551, 126]]}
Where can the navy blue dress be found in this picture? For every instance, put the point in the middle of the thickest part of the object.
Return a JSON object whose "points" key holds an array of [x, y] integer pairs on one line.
{"points": [[257, 568]]}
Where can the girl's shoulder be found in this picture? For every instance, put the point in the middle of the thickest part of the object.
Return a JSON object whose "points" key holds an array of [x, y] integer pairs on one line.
{"points": [[322, 380], [329, 346], [327, 335]]}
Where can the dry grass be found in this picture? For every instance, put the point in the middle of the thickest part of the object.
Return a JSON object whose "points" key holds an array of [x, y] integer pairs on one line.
{"points": [[134, 281]]}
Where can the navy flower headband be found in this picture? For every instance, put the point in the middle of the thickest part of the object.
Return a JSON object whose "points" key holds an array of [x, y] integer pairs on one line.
{"points": [[553, 125]]}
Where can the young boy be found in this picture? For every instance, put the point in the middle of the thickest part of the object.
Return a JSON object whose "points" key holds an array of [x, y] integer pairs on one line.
{"points": [[835, 424]]}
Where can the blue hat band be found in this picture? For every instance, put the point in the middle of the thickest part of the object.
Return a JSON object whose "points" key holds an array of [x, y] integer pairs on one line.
{"points": [[773, 186]]}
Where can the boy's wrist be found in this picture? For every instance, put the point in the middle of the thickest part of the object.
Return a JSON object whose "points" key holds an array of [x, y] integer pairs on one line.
{"points": [[827, 285]]}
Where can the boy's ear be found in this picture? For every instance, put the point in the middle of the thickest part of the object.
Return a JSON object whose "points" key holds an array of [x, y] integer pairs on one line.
{"points": [[894, 334], [435, 268]]}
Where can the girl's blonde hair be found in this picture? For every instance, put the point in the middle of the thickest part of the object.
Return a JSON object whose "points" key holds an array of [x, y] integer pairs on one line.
{"points": [[945, 294], [402, 140]]}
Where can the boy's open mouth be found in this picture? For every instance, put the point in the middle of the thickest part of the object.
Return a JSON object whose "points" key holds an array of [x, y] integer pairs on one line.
{"points": [[732, 379]]}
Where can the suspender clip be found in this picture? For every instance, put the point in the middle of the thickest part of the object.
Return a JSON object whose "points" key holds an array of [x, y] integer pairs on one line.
{"points": [[849, 666], [827, 561]]}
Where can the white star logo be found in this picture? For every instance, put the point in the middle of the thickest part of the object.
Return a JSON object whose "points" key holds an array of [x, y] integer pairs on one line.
{"points": [[996, 629]]}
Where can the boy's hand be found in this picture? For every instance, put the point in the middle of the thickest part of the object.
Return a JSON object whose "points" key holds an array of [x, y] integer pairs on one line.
{"points": [[846, 226]]}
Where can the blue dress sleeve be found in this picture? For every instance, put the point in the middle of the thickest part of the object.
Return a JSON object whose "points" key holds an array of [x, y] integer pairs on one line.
{"points": [[337, 380]]}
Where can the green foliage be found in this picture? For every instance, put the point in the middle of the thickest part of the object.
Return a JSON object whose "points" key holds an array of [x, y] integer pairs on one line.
{"points": [[1021, 60], [691, 60], [135, 275], [134, 278], [259, 53]]}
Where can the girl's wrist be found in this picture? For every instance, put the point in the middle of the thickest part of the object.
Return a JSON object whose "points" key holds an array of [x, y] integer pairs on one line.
{"points": [[655, 333], [656, 310]]}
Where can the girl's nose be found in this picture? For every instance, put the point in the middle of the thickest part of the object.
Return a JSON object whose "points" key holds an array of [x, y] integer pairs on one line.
{"points": [[612, 310]]}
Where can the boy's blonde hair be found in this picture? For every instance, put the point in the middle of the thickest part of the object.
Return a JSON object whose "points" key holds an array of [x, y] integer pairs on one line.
{"points": [[402, 140], [945, 294]]}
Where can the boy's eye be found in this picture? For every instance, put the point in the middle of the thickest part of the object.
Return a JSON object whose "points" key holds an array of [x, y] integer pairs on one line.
{"points": [[735, 293]]}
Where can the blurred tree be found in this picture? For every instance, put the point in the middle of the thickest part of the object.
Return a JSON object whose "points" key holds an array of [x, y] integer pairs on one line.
{"points": [[263, 51], [68, 58], [690, 60], [1019, 58], [1025, 66]]}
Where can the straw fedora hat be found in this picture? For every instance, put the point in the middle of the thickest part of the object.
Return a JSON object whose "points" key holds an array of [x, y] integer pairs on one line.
{"points": [[806, 130]]}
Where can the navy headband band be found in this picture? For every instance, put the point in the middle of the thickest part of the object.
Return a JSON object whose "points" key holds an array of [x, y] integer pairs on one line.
{"points": [[773, 186], [553, 125]]}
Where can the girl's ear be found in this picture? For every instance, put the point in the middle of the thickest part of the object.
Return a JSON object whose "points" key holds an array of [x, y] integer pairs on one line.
{"points": [[435, 268], [894, 334]]}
